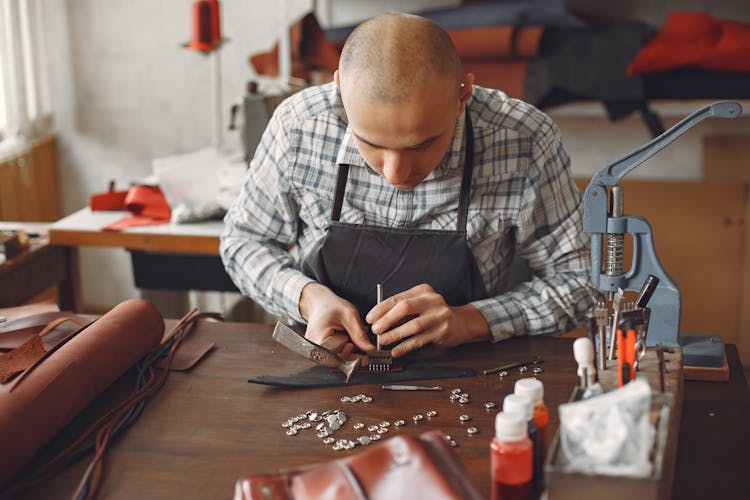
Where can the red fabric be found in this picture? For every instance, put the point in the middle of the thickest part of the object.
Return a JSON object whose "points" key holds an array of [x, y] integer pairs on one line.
{"points": [[111, 200], [148, 206], [695, 39]]}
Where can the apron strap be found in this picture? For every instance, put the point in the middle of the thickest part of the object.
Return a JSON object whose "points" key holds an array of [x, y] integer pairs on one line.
{"points": [[463, 199], [338, 199]]}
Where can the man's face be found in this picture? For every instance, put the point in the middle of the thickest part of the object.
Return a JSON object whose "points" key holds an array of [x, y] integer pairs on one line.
{"points": [[404, 141]]}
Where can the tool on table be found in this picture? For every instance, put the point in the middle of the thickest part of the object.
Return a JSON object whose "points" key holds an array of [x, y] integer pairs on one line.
{"points": [[412, 388], [533, 361], [601, 315], [583, 352], [626, 335], [299, 344], [617, 303], [379, 360], [604, 216]]}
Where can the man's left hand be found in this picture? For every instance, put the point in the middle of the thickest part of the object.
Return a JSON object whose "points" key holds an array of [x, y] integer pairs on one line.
{"points": [[420, 316]]}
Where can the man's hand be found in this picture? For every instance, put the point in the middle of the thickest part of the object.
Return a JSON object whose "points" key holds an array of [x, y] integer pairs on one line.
{"points": [[326, 313], [426, 319]]}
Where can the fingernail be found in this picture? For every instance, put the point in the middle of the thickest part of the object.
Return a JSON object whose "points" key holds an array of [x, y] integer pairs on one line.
{"points": [[369, 318], [376, 328]]}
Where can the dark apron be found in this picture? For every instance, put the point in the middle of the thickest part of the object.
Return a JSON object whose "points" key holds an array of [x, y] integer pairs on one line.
{"points": [[351, 259]]}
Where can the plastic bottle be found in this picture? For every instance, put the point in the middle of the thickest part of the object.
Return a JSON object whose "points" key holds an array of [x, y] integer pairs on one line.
{"points": [[511, 458], [521, 404], [534, 388]]}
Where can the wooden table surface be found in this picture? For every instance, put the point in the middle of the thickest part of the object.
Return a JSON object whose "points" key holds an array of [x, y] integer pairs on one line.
{"points": [[209, 427]]}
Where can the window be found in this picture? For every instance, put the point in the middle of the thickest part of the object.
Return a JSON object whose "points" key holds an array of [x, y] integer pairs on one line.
{"points": [[24, 96]]}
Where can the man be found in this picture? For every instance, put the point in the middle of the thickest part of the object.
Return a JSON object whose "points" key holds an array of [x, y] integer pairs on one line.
{"points": [[402, 172]]}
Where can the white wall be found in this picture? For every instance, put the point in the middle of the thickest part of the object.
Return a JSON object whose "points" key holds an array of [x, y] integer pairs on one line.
{"points": [[125, 91]]}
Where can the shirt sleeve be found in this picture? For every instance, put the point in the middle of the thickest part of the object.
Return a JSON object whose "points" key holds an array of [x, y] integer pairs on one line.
{"points": [[260, 228], [550, 238]]}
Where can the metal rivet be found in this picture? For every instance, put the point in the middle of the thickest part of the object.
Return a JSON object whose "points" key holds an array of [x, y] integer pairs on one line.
{"points": [[452, 443], [503, 374], [373, 428], [417, 418], [358, 425], [328, 440], [489, 405], [375, 437], [464, 418], [456, 391], [537, 370], [431, 413], [453, 397], [399, 423], [472, 430], [364, 440], [367, 399], [523, 369], [385, 424], [463, 401], [291, 432], [382, 430]]}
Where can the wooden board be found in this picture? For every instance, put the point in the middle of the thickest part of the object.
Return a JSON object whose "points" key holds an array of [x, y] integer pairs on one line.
{"points": [[29, 184], [727, 158]]}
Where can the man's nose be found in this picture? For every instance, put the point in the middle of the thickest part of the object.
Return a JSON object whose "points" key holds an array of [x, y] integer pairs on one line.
{"points": [[395, 169]]}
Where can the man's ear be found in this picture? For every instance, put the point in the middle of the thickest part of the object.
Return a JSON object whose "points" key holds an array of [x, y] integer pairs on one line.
{"points": [[336, 79], [465, 92]]}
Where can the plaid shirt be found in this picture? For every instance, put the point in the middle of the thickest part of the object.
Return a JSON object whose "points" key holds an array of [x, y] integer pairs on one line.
{"points": [[523, 202]]}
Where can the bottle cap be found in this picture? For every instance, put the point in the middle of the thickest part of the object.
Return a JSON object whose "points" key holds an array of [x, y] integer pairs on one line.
{"points": [[583, 351], [519, 403], [531, 387], [510, 427]]}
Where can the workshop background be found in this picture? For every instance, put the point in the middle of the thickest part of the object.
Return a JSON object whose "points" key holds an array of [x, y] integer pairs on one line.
{"points": [[122, 91]]}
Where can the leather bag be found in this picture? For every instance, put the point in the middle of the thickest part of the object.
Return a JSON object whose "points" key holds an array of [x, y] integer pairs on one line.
{"points": [[397, 468]]}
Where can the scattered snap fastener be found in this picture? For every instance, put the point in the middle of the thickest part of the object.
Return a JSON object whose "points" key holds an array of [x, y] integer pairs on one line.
{"points": [[464, 418], [367, 399], [399, 423], [364, 440], [472, 430], [417, 418], [373, 428], [503, 374], [358, 425], [456, 391], [452, 443], [286, 424], [453, 397], [291, 432], [463, 400], [489, 405], [375, 437], [431, 413], [385, 424], [328, 440], [382, 430], [523, 369], [537, 370]]}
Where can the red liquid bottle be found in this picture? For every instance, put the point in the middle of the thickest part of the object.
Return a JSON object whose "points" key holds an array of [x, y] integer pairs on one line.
{"points": [[534, 388], [511, 459]]}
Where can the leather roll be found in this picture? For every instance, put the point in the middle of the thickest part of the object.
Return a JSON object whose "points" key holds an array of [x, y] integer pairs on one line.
{"points": [[68, 380]]}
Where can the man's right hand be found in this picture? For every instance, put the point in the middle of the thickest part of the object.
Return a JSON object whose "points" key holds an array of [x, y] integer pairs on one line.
{"points": [[327, 313]]}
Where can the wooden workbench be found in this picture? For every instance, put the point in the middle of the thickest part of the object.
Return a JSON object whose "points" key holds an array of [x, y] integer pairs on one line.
{"points": [[209, 427]]}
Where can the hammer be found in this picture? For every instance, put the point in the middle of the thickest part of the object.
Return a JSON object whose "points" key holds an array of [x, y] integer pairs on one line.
{"points": [[299, 344]]}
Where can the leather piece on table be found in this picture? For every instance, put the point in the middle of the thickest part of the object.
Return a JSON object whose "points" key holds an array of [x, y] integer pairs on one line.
{"points": [[21, 357], [321, 376], [14, 333], [401, 467], [148, 207], [188, 354], [60, 387]]}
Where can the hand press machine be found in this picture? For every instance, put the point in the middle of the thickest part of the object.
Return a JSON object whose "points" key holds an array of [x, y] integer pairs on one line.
{"points": [[604, 218]]}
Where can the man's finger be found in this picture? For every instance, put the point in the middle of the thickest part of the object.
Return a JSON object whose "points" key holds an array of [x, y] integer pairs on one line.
{"points": [[357, 332]]}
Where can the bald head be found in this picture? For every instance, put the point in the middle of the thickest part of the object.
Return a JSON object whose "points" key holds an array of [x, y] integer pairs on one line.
{"points": [[390, 56]]}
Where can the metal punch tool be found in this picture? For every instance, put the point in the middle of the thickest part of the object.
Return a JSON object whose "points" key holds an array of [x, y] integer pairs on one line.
{"points": [[379, 360]]}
